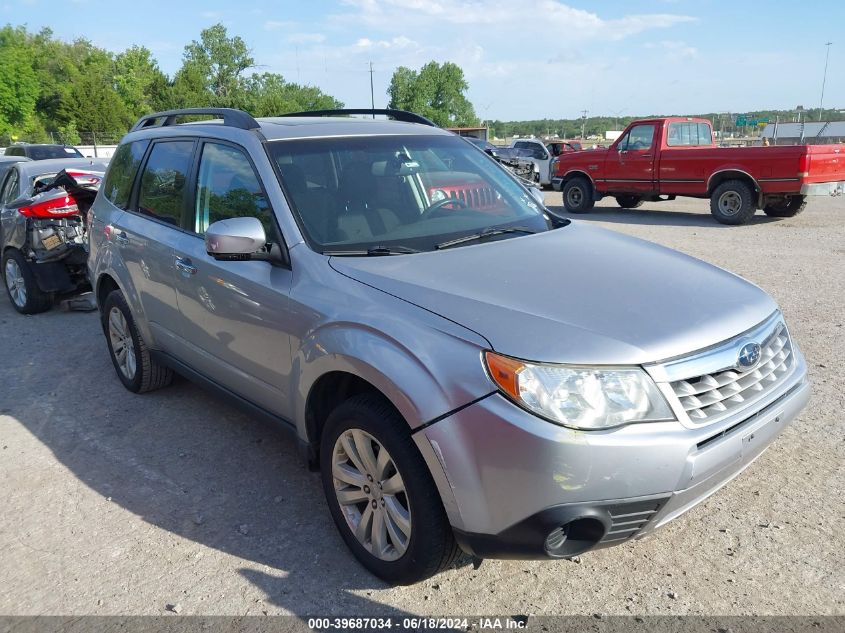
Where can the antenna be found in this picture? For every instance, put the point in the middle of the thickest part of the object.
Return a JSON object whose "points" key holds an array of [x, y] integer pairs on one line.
{"points": [[372, 93], [824, 77]]}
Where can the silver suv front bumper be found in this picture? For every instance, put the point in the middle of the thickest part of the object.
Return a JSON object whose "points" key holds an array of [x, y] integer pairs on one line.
{"points": [[508, 478]]}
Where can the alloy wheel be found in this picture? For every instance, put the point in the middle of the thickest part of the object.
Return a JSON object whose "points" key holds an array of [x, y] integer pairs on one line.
{"points": [[15, 283], [122, 345], [371, 494]]}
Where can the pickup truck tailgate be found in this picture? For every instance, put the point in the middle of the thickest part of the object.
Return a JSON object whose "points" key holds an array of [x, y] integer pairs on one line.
{"points": [[823, 163]]}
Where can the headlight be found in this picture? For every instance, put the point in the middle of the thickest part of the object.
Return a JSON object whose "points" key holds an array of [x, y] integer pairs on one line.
{"points": [[437, 195], [589, 398]]}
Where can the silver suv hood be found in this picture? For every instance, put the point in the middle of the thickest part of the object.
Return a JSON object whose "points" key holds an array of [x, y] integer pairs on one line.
{"points": [[578, 294]]}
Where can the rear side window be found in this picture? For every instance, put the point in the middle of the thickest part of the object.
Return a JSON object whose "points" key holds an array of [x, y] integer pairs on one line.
{"points": [[10, 188], [122, 169], [14, 151], [161, 195], [229, 188], [688, 135]]}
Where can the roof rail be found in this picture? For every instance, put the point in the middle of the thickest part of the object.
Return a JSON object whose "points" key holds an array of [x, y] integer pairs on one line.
{"points": [[230, 116], [397, 115]]}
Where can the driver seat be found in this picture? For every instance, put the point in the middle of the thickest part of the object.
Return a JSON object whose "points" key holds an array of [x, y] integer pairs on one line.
{"points": [[361, 219]]}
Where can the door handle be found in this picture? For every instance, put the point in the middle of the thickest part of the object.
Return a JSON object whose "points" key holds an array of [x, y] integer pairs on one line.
{"points": [[122, 238], [184, 266]]}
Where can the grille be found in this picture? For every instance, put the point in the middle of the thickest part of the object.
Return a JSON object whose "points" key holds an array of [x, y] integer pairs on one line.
{"points": [[713, 395], [629, 518], [475, 198]]}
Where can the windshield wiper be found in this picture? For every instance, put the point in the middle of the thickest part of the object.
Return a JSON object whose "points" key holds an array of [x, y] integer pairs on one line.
{"points": [[374, 251], [489, 232]]}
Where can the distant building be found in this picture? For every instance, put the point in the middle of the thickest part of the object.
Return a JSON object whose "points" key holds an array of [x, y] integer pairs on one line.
{"points": [[475, 132], [818, 133]]}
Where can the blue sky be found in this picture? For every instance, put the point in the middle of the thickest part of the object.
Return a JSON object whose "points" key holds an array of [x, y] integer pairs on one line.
{"points": [[523, 59]]}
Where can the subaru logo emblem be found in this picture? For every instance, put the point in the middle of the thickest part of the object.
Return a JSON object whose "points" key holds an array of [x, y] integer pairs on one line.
{"points": [[749, 355]]}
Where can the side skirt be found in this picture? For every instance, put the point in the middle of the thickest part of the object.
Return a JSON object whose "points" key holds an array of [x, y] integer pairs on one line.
{"points": [[239, 401]]}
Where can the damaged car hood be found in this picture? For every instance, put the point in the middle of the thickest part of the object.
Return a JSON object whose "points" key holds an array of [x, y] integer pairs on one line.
{"points": [[579, 294]]}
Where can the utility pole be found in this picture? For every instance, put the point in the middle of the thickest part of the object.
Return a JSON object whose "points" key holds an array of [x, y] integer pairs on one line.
{"points": [[372, 93], [583, 124], [824, 77]]}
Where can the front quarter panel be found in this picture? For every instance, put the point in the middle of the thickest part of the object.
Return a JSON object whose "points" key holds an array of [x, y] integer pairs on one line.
{"points": [[425, 365]]}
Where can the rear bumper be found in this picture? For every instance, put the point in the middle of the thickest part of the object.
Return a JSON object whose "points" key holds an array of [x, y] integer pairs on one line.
{"points": [[824, 189], [509, 479]]}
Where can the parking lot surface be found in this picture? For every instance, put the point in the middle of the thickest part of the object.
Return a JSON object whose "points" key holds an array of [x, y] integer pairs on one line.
{"points": [[114, 503]]}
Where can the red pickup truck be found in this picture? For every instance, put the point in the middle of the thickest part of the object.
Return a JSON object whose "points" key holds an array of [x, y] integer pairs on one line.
{"points": [[659, 159]]}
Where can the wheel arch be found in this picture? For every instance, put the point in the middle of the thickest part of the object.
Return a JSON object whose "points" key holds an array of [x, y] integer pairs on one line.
{"points": [[731, 173], [577, 173], [338, 361]]}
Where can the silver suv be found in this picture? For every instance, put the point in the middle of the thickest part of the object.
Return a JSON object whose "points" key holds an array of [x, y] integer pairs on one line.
{"points": [[465, 370]]}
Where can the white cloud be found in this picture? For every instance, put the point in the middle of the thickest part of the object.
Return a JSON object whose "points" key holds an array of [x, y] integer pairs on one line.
{"points": [[676, 47], [275, 25]]}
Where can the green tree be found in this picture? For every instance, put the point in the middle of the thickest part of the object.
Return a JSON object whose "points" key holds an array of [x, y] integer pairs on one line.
{"points": [[18, 80], [139, 81], [213, 67], [268, 94], [436, 91]]}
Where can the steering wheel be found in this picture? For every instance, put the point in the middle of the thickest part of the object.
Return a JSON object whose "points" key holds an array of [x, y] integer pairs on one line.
{"points": [[437, 206]]}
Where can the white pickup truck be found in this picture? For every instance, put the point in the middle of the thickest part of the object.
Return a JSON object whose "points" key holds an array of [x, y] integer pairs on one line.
{"points": [[543, 154]]}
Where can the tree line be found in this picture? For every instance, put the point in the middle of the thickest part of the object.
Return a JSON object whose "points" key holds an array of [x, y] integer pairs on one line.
{"points": [[598, 125], [55, 91]]}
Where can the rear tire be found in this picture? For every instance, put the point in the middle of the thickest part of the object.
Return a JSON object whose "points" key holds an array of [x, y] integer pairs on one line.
{"points": [[135, 367], [629, 202], [21, 285], [788, 207], [733, 202], [403, 536], [578, 195]]}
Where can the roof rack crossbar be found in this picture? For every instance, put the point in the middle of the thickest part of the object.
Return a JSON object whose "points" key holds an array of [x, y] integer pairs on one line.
{"points": [[397, 115], [230, 116]]}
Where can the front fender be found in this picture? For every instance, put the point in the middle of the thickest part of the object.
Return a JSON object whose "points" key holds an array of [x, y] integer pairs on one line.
{"points": [[422, 383]]}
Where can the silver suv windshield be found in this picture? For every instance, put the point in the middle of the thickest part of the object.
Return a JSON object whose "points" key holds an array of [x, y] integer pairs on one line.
{"points": [[400, 194]]}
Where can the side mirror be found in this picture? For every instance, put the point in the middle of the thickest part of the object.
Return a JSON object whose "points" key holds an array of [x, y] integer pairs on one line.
{"points": [[538, 196], [235, 239]]}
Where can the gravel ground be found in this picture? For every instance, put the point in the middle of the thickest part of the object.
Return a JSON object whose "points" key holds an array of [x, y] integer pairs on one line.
{"points": [[120, 504]]}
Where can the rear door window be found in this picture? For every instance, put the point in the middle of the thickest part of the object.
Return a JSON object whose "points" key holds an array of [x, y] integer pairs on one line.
{"points": [[122, 170], [10, 187], [162, 192]]}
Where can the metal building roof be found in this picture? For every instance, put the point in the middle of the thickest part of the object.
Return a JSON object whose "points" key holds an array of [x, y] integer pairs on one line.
{"points": [[833, 129]]}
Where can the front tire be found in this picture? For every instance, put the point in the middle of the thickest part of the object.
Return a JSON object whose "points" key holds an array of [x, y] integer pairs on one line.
{"points": [[732, 202], [21, 285], [578, 195], [135, 367], [629, 202], [788, 207], [381, 495]]}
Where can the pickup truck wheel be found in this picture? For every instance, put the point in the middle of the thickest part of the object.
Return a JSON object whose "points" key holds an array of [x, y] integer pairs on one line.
{"points": [[629, 202], [21, 286], [732, 202], [789, 207], [135, 367], [578, 195], [380, 493]]}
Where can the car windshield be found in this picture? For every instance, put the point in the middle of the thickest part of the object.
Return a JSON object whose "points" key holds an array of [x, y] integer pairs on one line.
{"points": [[388, 193], [44, 152]]}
